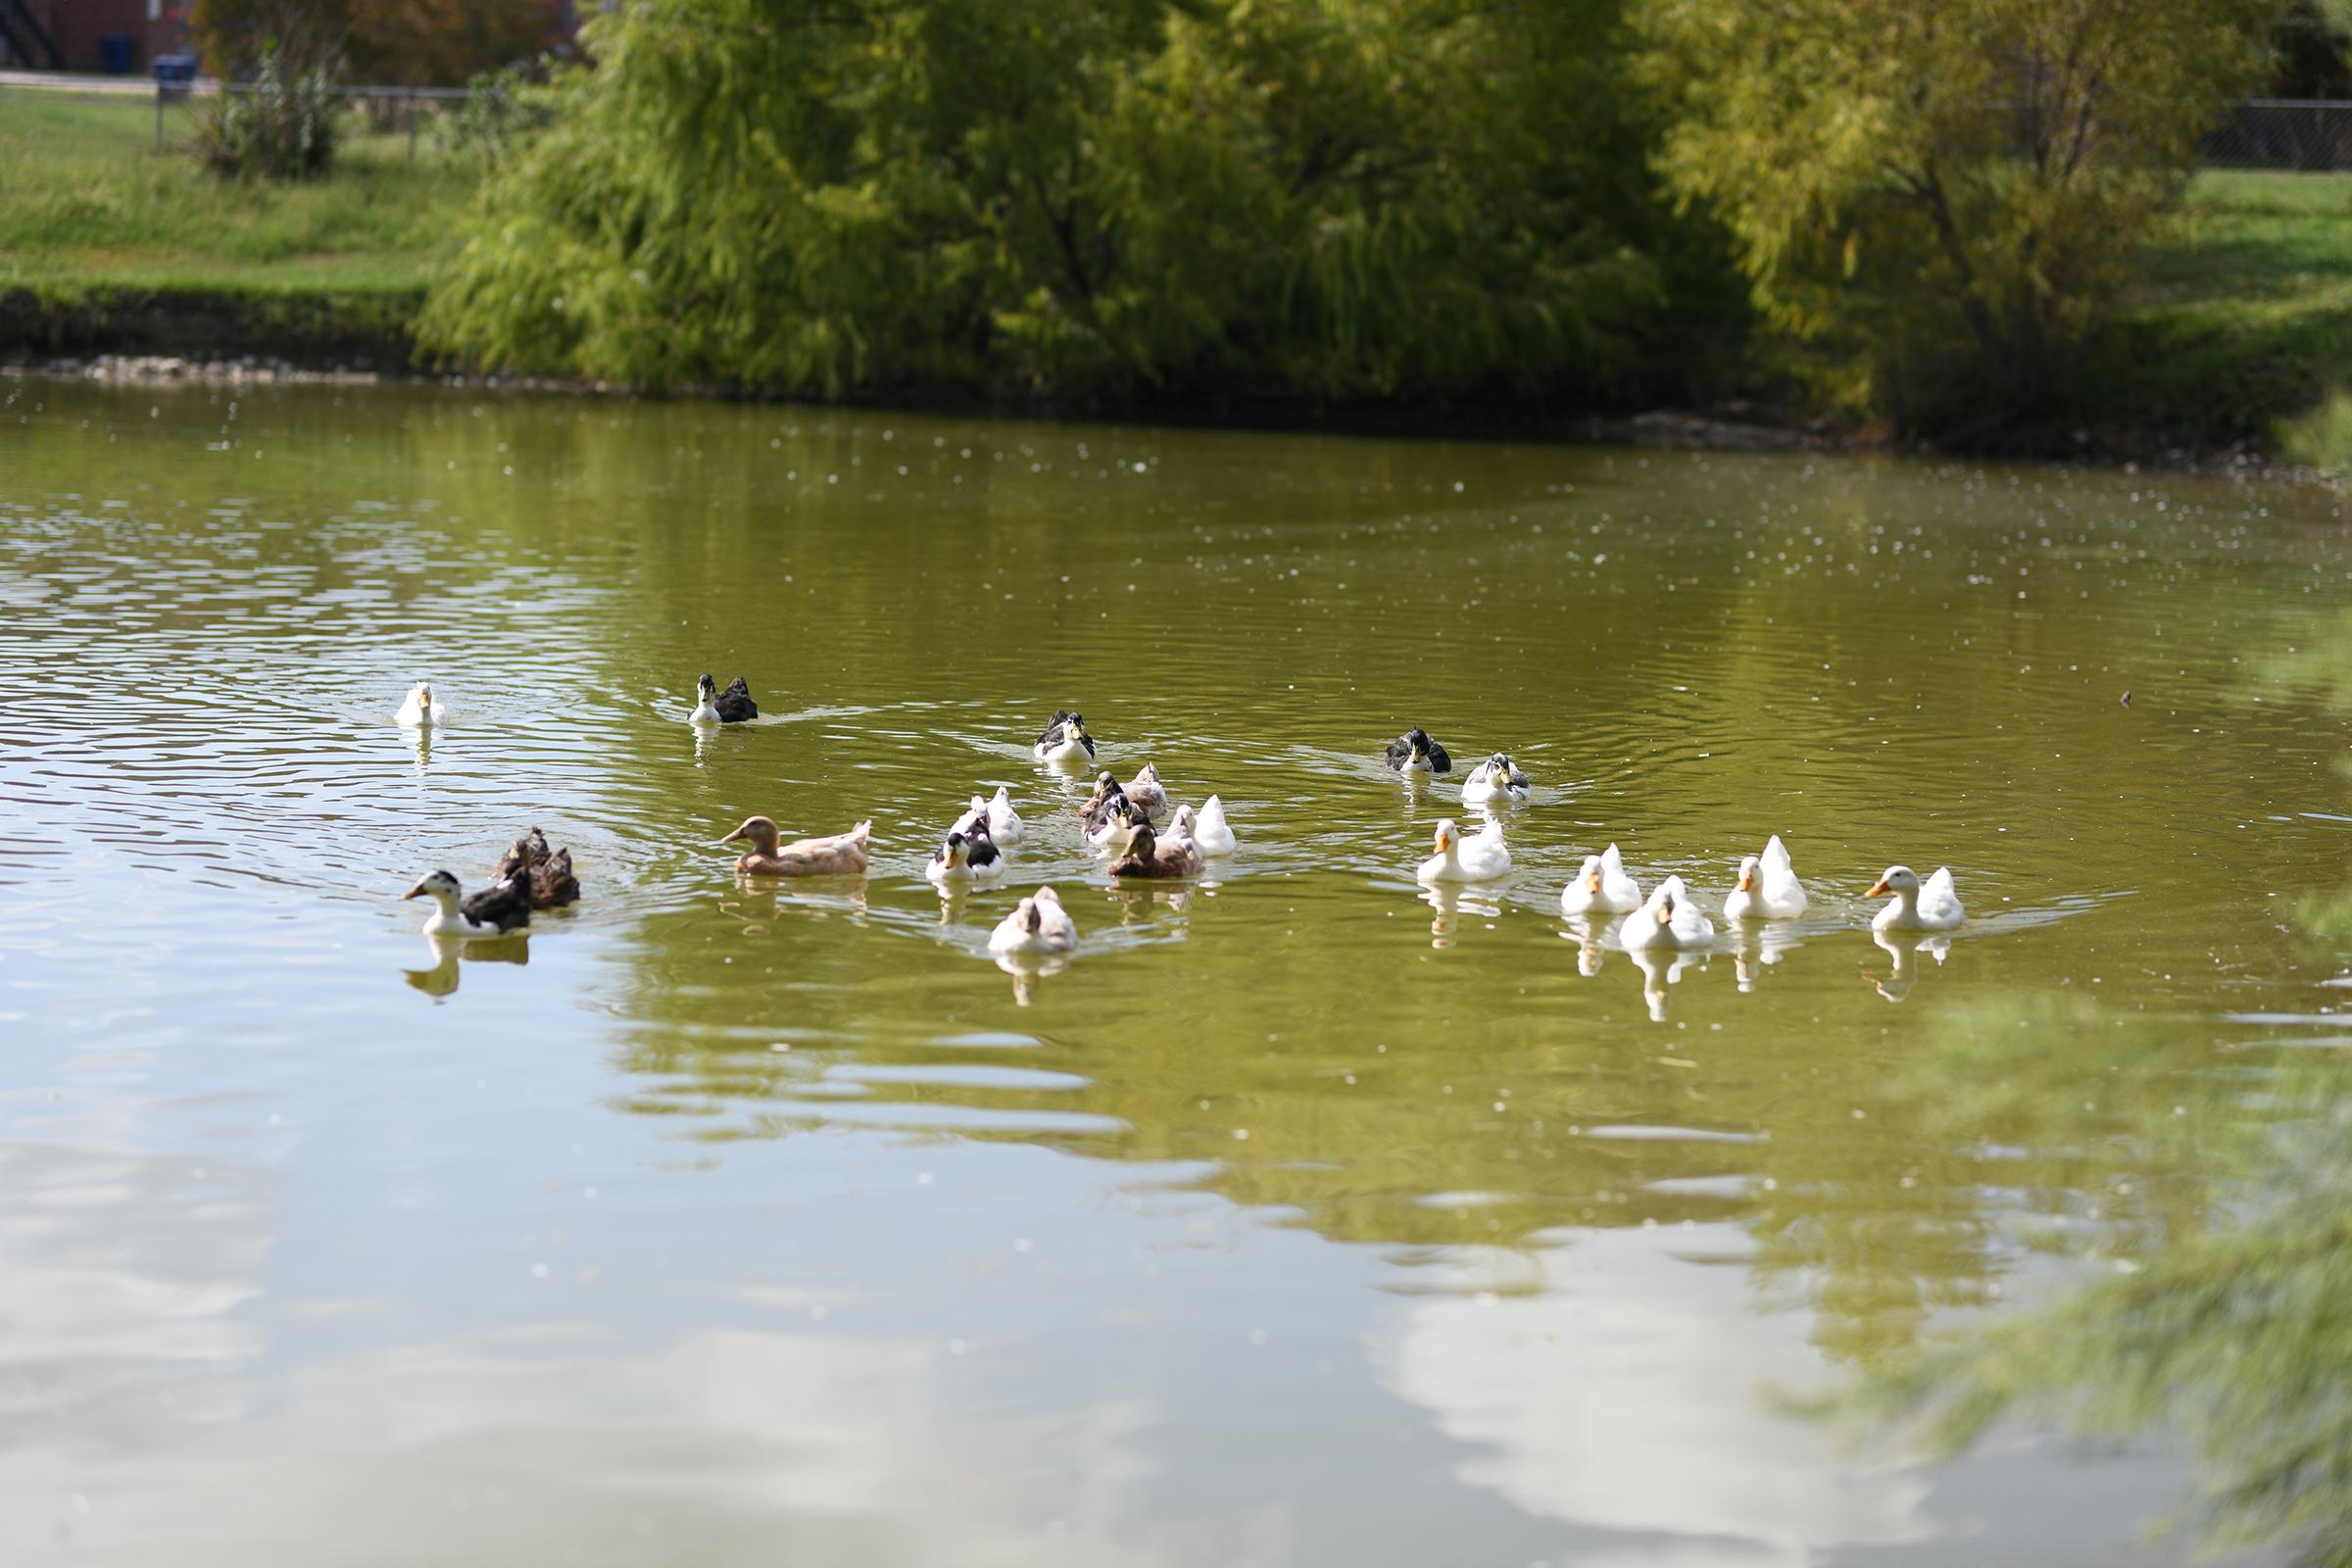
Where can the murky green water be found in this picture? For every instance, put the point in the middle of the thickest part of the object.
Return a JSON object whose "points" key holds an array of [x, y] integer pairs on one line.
{"points": [[1304, 1219]]}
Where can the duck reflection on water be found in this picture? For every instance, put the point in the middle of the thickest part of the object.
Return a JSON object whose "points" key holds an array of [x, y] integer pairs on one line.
{"points": [[1452, 901], [441, 979], [1904, 947]]}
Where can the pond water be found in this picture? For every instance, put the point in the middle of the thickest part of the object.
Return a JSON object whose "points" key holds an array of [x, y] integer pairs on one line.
{"points": [[1304, 1218]]}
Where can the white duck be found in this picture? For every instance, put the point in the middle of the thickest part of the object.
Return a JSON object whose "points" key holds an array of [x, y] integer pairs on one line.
{"points": [[419, 709], [1481, 857], [1037, 924], [1670, 919], [1768, 886], [996, 817], [1497, 779], [1601, 887], [1931, 905], [1212, 832]]}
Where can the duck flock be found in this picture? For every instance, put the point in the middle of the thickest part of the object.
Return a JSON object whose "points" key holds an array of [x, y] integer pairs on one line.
{"points": [[1125, 821]]}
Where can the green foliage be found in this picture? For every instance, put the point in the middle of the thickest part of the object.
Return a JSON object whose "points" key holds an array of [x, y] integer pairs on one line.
{"points": [[1334, 199], [2322, 436], [1944, 194], [279, 126], [502, 109]]}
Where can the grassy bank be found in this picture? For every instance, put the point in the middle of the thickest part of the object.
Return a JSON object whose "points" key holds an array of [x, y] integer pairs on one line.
{"points": [[2243, 317], [88, 201], [110, 244]]}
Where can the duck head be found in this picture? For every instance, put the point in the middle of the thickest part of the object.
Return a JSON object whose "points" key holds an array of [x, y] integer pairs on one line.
{"points": [[438, 886], [707, 687], [1033, 920], [1498, 767], [1180, 824], [1106, 786], [1447, 837], [1077, 727], [756, 831], [956, 850], [1144, 844], [1899, 880], [1045, 895], [1418, 739], [1747, 872], [1590, 873], [1662, 906], [424, 695]]}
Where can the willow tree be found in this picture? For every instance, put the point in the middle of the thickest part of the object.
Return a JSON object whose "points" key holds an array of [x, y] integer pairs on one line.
{"points": [[1083, 198], [1905, 177]]}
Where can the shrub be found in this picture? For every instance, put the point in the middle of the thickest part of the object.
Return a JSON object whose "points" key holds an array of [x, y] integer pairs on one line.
{"points": [[281, 126], [1943, 193]]}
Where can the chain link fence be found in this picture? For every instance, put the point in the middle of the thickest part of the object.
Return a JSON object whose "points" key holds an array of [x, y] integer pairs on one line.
{"points": [[2312, 134], [379, 123]]}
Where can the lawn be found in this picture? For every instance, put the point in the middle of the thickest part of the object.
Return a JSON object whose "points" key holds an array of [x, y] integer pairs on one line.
{"points": [[91, 202], [2243, 315]]}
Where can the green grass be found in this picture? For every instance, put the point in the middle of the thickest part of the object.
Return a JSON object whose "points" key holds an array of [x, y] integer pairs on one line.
{"points": [[2243, 317], [89, 202]]}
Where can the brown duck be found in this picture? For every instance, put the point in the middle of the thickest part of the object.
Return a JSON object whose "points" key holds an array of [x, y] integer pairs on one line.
{"points": [[842, 855], [1149, 854], [547, 874]]}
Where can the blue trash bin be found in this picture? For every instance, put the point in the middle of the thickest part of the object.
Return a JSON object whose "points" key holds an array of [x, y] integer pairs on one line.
{"points": [[113, 53]]}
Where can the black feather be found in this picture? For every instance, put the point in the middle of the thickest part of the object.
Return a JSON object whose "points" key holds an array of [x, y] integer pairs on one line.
{"points": [[735, 703], [506, 907], [1402, 749]]}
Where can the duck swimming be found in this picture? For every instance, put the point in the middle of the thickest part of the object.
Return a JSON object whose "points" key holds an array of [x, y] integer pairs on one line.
{"points": [[1670, 919], [1004, 824], [840, 854], [967, 858], [1601, 887], [1122, 821], [714, 707], [548, 875], [1095, 809], [1414, 752], [1497, 779], [1146, 791], [419, 709], [1481, 857], [492, 912], [1037, 924], [1212, 832], [1931, 905], [1768, 888], [1149, 854], [1064, 739]]}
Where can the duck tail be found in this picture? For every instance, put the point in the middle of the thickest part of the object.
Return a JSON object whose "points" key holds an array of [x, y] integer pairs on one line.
{"points": [[862, 831]]}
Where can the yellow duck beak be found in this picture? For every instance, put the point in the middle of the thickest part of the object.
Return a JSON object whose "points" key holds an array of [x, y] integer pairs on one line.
{"points": [[1747, 880], [1875, 889], [1593, 881]]}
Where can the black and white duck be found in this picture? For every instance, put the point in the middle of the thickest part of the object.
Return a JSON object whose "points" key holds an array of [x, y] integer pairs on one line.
{"points": [[967, 856], [491, 913], [730, 706], [1064, 739], [1414, 752]]}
